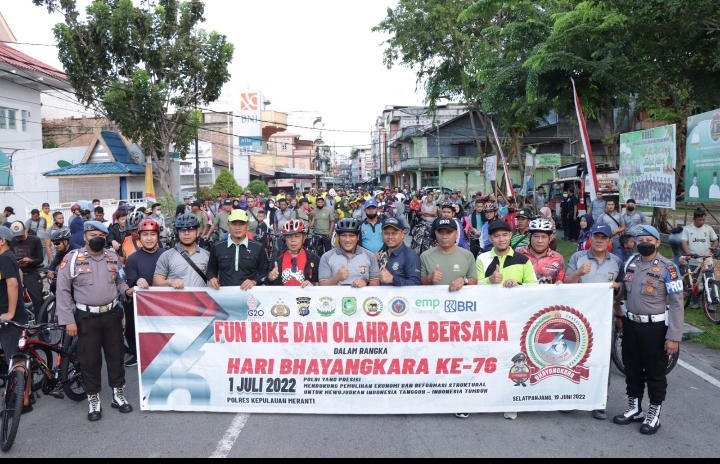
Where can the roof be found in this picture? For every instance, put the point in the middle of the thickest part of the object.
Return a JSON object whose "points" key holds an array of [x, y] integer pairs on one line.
{"points": [[117, 147], [97, 169], [300, 172], [20, 60]]}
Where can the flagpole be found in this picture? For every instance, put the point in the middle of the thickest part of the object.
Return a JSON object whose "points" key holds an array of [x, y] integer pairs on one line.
{"points": [[591, 182], [510, 192]]}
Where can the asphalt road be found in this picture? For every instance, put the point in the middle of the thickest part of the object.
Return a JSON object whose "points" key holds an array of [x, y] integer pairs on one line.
{"points": [[59, 428]]}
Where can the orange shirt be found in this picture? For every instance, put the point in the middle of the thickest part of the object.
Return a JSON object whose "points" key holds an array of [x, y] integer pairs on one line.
{"points": [[128, 247]]}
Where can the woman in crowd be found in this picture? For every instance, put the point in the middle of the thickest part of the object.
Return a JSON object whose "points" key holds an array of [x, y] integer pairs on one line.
{"points": [[344, 210], [545, 213], [586, 223]]}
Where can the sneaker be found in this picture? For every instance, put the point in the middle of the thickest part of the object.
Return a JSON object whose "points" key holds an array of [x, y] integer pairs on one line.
{"points": [[651, 424], [119, 402], [510, 415], [462, 415], [695, 305], [633, 414], [131, 361], [599, 414], [26, 409], [94, 408]]}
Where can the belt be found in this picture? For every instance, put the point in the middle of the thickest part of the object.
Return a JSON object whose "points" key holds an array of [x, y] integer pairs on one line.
{"points": [[95, 309], [645, 318]]}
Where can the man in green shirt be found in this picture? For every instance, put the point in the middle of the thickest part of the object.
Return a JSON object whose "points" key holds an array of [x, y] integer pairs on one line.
{"points": [[221, 220], [447, 264], [323, 222], [202, 217]]}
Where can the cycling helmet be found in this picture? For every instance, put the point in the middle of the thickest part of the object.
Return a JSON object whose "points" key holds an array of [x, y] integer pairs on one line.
{"points": [[63, 234], [294, 226], [134, 219], [348, 225], [187, 221], [541, 225], [149, 224], [332, 193], [490, 206], [447, 204]]}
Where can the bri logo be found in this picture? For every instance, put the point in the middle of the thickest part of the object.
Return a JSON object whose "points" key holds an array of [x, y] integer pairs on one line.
{"points": [[452, 306]]}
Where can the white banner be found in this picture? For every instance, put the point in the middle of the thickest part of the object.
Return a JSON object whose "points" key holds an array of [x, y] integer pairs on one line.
{"points": [[381, 350], [490, 167]]}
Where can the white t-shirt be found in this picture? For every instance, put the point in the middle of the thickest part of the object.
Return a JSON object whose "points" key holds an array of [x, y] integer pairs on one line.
{"points": [[699, 241]]}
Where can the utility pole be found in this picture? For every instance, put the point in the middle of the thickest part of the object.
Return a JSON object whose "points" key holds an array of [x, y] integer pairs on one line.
{"points": [[437, 138]]}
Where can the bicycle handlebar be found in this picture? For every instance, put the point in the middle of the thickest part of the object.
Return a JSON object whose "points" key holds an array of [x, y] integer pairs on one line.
{"points": [[46, 325]]}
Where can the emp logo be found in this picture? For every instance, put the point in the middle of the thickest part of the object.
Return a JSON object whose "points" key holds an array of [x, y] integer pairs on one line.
{"points": [[248, 101], [452, 306]]}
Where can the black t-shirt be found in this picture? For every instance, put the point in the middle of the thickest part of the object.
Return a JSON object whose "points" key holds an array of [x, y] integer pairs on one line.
{"points": [[141, 265], [9, 269], [31, 248]]}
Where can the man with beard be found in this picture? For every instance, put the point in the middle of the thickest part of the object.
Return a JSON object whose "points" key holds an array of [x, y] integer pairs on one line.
{"points": [[296, 266], [221, 220], [28, 251], [447, 264], [371, 228], [399, 265], [323, 222], [349, 263]]}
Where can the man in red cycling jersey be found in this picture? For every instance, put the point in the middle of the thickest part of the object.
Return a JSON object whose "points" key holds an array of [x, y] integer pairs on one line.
{"points": [[296, 266], [549, 265]]}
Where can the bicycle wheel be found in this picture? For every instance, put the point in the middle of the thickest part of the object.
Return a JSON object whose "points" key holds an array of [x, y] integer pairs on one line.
{"points": [[616, 349], [71, 375], [711, 303], [12, 404], [687, 291], [37, 369], [52, 336]]}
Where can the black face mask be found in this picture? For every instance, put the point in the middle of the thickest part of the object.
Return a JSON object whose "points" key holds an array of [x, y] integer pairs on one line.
{"points": [[96, 243], [631, 208], [371, 216], [646, 249]]}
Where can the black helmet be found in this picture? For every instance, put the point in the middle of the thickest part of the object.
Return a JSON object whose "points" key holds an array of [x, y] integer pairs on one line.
{"points": [[447, 204], [133, 220], [62, 234], [187, 221], [348, 225]]}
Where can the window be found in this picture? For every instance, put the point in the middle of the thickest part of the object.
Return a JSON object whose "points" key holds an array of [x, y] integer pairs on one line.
{"points": [[136, 195], [284, 146], [3, 118], [12, 119], [25, 117]]}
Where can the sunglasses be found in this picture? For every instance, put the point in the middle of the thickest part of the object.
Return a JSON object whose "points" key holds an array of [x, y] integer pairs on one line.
{"points": [[294, 269], [185, 230], [57, 242]]}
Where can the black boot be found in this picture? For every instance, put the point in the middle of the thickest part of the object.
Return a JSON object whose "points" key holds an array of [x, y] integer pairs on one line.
{"points": [[633, 414], [652, 422]]}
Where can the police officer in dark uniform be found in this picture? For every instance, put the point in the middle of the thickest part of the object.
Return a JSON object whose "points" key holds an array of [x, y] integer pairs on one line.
{"points": [[92, 277], [650, 331]]}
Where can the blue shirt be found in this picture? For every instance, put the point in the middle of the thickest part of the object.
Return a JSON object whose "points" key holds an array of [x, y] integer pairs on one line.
{"points": [[371, 236], [623, 255], [403, 264]]}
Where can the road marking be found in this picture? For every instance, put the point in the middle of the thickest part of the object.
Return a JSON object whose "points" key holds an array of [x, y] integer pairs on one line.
{"points": [[699, 373], [231, 434]]}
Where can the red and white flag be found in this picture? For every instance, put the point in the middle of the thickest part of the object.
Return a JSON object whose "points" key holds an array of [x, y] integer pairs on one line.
{"points": [[509, 192], [591, 182]]}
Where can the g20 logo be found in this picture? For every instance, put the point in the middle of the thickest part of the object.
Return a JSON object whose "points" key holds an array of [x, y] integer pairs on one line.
{"points": [[256, 313]]}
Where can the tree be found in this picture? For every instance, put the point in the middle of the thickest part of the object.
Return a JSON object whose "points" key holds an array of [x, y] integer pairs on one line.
{"points": [[49, 143], [225, 183], [257, 187], [146, 68]]}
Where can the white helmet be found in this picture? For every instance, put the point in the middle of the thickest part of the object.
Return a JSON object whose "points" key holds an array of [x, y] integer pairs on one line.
{"points": [[541, 225], [332, 192]]}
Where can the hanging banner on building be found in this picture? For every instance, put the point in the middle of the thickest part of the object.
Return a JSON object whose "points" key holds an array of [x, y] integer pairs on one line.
{"points": [[647, 167], [490, 168], [702, 164], [247, 129], [385, 350]]}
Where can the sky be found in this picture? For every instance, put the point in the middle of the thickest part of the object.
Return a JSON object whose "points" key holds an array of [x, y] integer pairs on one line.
{"points": [[309, 58]]}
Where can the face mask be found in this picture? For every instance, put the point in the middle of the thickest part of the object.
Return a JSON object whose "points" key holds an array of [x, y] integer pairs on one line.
{"points": [[96, 243], [371, 216], [646, 249], [565, 195], [631, 208]]}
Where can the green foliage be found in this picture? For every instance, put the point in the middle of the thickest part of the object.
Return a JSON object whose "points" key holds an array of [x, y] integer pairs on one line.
{"points": [[168, 205], [226, 183], [146, 67], [258, 186], [49, 143]]}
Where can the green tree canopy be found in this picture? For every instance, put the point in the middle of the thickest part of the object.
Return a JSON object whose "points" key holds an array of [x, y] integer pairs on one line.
{"points": [[225, 183], [258, 186]]}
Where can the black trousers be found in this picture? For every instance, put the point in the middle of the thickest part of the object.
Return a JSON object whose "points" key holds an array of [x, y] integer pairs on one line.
{"points": [[475, 248], [129, 310], [31, 280], [98, 334], [643, 351]]}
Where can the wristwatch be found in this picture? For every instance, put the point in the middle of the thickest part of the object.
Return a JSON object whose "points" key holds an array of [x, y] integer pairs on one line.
{"points": [[465, 280]]}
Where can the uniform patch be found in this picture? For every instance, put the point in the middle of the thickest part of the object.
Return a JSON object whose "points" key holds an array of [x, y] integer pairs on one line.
{"points": [[632, 266], [674, 287], [611, 276], [80, 258], [456, 268], [649, 282], [656, 269], [396, 266], [649, 289], [63, 263], [363, 269], [672, 270], [629, 277]]}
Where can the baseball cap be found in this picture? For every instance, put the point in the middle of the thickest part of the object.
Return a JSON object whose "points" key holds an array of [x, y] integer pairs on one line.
{"points": [[238, 215], [392, 222], [129, 207], [227, 202], [196, 203], [646, 231], [10, 210], [17, 228], [525, 212], [498, 225], [371, 202], [447, 224], [601, 229], [6, 233], [95, 225]]}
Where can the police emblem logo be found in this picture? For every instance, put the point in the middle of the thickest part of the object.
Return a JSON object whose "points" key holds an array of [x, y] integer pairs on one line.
{"points": [[63, 263], [611, 276], [203, 267], [303, 305], [363, 269], [280, 309], [326, 306], [650, 289], [396, 266], [349, 306], [557, 341], [399, 306], [673, 271], [656, 269], [372, 306]]}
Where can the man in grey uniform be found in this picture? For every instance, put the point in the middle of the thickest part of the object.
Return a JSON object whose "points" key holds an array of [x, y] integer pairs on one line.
{"points": [[652, 328], [94, 278], [349, 263], [596, 266], [173, 268]]}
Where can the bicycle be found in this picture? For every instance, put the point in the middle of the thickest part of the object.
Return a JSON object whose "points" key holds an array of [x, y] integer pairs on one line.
{"points": [[616, 351], [32, 364], [420, 238], [317, 243], [693, 287], [274, 246]]}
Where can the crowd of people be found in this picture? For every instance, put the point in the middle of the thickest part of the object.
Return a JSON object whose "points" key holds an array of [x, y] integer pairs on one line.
{"points": [[98, 262]]}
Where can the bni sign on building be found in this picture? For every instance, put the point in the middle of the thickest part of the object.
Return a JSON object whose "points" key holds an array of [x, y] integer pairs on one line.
{"points": [[247, 132]]}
